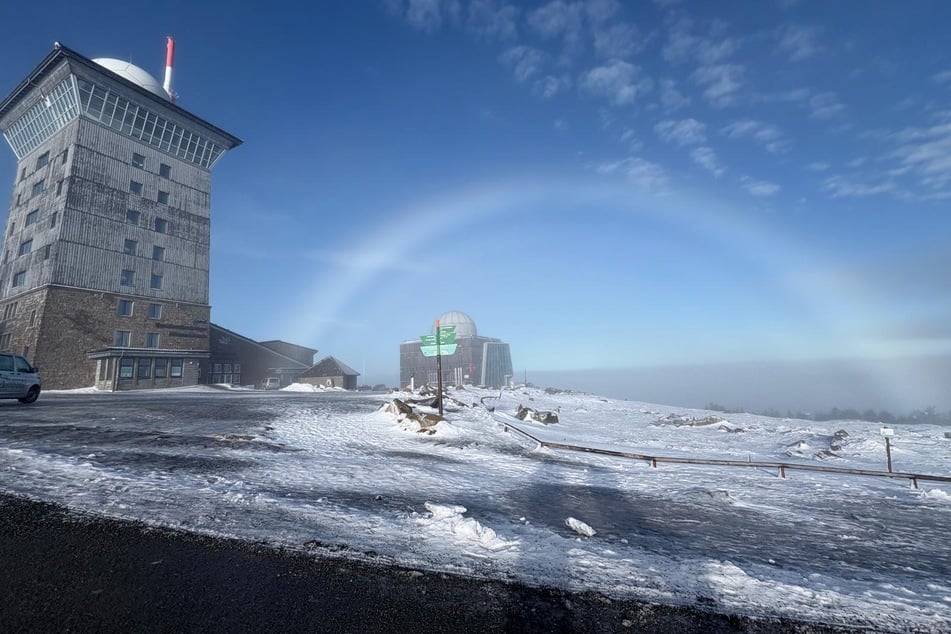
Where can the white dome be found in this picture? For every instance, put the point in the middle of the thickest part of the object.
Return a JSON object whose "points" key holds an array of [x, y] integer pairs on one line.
{"points": [[133, 73], [465, 327]]}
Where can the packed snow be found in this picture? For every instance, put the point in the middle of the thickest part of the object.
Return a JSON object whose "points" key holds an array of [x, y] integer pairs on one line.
{"points": [[333, 474]]}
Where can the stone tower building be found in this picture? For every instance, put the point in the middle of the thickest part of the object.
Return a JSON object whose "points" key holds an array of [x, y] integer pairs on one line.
{"points": [[104, 270]]}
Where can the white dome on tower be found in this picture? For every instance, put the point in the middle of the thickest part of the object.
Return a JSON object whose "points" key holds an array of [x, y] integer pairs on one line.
{"points": [[465, 327], [133, 73]]}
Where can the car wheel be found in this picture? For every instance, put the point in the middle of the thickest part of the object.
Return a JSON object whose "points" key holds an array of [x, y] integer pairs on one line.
{"points": [[31, 396]]}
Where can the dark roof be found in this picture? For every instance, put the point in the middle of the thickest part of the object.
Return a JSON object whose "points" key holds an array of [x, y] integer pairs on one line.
{"points": [[61, 52], [329, 366], [255, 343], [271, 342]]}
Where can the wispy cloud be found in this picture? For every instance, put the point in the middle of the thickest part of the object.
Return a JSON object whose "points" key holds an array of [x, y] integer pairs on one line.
{"points": [[621, 83], [425, 15], [720, 83], [641, 173], [600, 11], [685, 132], [706, 158], [560, 19], [944, 77], [927, 151], [524, 61], [670, 97], [619, 41], [490, 20], [819, 166], [840, 187], [825, 105], [757, 188], [550, 85], [769, 136], [798, 42]]}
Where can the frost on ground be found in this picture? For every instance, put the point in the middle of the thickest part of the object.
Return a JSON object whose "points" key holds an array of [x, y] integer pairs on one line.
{"points": [[296, 469]]}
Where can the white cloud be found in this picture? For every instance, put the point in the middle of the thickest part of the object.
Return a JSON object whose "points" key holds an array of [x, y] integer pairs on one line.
{"points": [[706, 158], [825, 105], [769, 136], [555, 18], [619, 41], [619, 82], [629, 136], [488, 20], [680, 43], [600, 11], [524, 61], [796, 95], [819, 166], [671, 98], [711, 52], [425, 15], [641, 173], [685, 132], [927, 151], [720, 83], [550, 85], [798, 42], [759, 188], [841, 188], [944, 77]]}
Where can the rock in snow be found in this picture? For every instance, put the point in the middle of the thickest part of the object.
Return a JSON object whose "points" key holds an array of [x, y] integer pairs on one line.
{"points": [[579, 527]]}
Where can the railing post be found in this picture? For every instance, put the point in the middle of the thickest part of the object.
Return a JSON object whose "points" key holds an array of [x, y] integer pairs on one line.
{"points": [[654, 462], [914, 483], [782, 471]]}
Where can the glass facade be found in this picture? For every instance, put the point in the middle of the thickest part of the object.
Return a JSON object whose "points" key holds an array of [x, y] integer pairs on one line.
{"points": [[47, 117], [137, 122]]}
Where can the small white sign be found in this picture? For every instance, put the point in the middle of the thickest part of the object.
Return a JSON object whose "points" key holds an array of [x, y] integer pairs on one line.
{"points": [[888, 432]]}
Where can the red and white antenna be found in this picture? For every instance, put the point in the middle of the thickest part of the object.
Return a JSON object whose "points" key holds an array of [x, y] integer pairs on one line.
{"points": [[169, 59]]}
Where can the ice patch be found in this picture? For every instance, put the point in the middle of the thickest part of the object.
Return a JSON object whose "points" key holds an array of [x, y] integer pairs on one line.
{"points": [[449, 518], [579, 527]]}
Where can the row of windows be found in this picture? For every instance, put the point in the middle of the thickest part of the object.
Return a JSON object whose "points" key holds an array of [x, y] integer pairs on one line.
{"points": [[46, 117], [26, 247], [146, 368], [124, 339], [137, 188], [165, 170], [43, 160], [38, 188], [127, 278], [131, 247], [124, 308], [120, 114], [133, 217]]}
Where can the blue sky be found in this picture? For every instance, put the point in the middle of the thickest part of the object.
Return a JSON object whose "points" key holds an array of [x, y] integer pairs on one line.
{"points": [[601, 184]]}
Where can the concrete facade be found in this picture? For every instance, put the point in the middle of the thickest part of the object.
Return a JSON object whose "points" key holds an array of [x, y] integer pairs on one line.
{"points": [[107, 242]]}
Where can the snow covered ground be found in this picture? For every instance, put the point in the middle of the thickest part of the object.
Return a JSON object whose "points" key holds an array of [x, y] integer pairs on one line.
{"points": [[327, 472]]}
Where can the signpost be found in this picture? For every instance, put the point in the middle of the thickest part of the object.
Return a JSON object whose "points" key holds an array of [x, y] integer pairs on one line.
{"points": [[443, 342]]}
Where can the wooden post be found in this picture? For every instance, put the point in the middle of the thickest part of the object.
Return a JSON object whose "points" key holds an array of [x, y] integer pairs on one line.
{"points": [[438, 370], [888, 452], [782, 471], [654, 462]]}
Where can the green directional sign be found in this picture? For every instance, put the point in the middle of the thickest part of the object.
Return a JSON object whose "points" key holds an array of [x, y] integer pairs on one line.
{"points": [[447, 335], [430, 351], [428, 340]]}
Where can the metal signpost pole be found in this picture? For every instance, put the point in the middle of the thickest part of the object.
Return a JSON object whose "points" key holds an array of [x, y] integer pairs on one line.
{"points": [[887, 433], [439, 368]]}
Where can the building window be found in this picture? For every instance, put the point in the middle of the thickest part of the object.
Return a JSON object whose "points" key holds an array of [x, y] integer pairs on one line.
{"points": [[161, 368], [165, 171], [176, 372], [132, 216], [10, 310], [23, 174], [65, 156], [138, 161], [131, 247], [25, 247], [123, 338], [59, 187], [19, 279], [151, 340], [161, 225], [156, 282], [32, 318], [162, 197], [43, 160], [32, 217], [5, 343], [145, 368], [124, 307], [38, 187], [158, 253], [53, 219], [18, 199], [46, 252], [135, 187], [125, 368], [155, 311], [127, 277]]}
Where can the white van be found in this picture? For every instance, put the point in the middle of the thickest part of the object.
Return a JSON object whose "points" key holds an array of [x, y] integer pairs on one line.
{"points": [[272, 383], [18, 379]]}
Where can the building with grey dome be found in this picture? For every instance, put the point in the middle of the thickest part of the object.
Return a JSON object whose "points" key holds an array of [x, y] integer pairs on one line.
{"points": [[105, 269], [478, 360]]}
